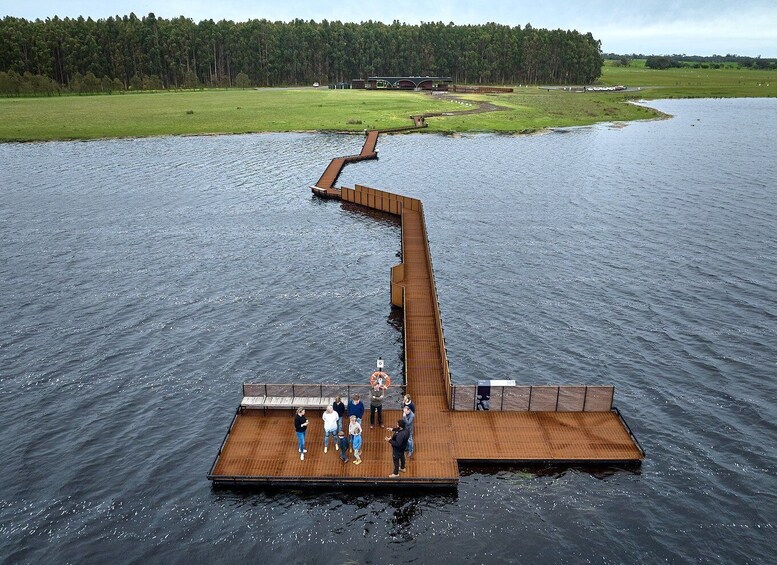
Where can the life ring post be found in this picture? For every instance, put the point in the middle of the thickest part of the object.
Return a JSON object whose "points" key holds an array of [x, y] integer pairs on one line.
{"points": [[379, 378]]}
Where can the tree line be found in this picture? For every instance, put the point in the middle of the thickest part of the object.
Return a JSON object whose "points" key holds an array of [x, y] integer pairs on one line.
{"points": [[131, 53], [695, 61]]}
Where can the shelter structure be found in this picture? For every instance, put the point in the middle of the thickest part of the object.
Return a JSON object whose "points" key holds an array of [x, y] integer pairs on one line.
{"points": [[408, 83]]}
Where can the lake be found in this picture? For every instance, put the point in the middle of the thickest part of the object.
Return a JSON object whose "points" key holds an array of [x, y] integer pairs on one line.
{"points": [[143, 281]]}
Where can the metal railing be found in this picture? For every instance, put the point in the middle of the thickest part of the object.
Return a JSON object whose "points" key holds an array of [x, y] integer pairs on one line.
{"points": [[393, 399], [538, 398]]}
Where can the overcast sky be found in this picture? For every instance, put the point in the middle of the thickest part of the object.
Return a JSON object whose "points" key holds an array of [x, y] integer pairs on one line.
{"points": [[698, 27]]}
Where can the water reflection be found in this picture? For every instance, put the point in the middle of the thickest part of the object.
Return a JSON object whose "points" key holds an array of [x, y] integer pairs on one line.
{"points": [[543, 469], [357, 508]]}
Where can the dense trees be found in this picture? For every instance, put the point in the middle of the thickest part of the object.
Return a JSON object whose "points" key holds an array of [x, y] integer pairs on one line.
{"points": [[84, 55], [697, 61]]}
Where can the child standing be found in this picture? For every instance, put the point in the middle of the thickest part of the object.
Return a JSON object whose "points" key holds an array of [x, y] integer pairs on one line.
{"points": [[343, 442], [355, 431]]}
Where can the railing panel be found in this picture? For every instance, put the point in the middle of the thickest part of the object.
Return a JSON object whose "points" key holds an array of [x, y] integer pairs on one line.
{"points": [[516, 398], [571, 398], [464, 397], [495, 401], [363, 391], [279, 390], [307, 390], [393, 400], [335, 390], [253, 389], [599, 398], [543, 398]]}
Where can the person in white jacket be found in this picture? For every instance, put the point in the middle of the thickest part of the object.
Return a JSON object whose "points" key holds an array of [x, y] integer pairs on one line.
{"points": [[330, 418]]}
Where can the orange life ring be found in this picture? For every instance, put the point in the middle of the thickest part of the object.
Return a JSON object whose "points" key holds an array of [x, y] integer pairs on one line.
{"points": [[379, 378]]}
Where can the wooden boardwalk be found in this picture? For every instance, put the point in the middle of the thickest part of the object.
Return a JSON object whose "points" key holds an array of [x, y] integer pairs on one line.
{"points": [[325, 186], [260, 446]]}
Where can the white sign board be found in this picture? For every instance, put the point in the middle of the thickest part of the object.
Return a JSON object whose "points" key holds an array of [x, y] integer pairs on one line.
{"points": [[380, 363]]}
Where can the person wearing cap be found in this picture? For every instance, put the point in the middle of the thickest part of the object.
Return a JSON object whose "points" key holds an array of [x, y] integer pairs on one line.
{"points": [[398, 441]]}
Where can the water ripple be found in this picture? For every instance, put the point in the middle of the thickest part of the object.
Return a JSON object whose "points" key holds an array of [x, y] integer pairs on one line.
{"points": [[142, 281]]}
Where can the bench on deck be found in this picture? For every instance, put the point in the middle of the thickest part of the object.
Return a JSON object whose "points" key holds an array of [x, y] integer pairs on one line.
{"points": [[286, 402], [259, 396]]}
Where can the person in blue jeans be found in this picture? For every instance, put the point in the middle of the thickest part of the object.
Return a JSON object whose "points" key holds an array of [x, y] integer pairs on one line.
{"points": [[301, 427], [409, 417], [339, 407], [330, 418], [356, 408], [355, 432], [398, 443]]}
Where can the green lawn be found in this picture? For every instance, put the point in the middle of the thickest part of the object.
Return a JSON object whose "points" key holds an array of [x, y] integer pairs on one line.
{"points": [[306, 109], [693, 83], [206, 112], [533, 109], [241, 111]]}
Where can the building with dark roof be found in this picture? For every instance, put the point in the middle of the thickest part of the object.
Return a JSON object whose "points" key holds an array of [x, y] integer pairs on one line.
{"points": [[408, 83]]}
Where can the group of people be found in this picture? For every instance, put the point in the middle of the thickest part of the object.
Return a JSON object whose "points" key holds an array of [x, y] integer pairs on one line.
{"points": [[401, 438]]}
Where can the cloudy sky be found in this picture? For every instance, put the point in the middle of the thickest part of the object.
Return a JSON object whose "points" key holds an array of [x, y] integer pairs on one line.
{"points": [[700, 27]]}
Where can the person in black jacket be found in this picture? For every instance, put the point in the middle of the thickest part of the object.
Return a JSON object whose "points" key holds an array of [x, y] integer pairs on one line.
{"points": [[301, 427], [339, 407], [398, 441], [376, 404]]}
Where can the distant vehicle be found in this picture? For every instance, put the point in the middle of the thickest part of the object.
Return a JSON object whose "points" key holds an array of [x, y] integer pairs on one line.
{"points": [[604, 88], [316, 84]]}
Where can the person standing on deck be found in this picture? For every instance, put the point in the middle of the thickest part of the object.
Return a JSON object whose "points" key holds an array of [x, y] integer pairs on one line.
{"points": [[408, 402], [376, 404], [356, 407], [330, 418], [398, 443], [342, 441], [409, 417], [355, 433], [339, 407], [301, 427]]}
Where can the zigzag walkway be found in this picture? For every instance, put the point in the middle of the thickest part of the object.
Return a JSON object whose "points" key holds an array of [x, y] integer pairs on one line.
{"points": [[325, 186], [526, 424]]}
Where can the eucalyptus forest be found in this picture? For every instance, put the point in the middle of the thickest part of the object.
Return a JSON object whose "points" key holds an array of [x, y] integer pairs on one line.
{"points": [[149, 53]]}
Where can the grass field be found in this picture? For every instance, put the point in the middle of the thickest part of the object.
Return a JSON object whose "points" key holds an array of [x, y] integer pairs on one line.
{"points": [[527, 109], [271, 110], [533, 109], [693, 83], [208, 112]]}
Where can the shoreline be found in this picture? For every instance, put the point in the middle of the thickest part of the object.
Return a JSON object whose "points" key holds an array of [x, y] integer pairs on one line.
{"points": [[644, 104]]}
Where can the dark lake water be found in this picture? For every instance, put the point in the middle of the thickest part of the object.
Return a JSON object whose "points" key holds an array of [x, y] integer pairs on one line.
{"points": [[142, 281]]}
